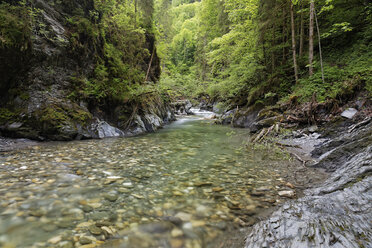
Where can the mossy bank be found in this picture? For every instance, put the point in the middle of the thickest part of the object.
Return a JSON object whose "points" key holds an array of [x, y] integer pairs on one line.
{"points": [[78, 69]]}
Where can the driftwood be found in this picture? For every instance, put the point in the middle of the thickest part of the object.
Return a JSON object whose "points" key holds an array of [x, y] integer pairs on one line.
{"points": [[149, 68], [258, 137], [264, 132], [292, 118], [287, 145], [130, 120], [298, 158]]}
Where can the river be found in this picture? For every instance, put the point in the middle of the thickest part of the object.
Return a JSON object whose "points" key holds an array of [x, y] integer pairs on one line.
{"points": [[186, 185]]}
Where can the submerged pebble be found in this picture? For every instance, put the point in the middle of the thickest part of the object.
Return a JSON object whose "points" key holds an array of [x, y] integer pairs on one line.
{"points": [[192, 177]]}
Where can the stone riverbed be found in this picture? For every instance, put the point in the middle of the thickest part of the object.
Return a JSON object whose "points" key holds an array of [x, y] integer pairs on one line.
{"points": [[189, 185]]}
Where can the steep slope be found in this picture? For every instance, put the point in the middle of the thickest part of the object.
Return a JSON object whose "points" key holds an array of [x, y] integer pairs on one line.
{"points": [[70, 71]]}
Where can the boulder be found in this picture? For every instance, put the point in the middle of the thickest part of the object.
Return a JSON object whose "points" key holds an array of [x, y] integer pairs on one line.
{"points": [[102, 129], [182, 107]]}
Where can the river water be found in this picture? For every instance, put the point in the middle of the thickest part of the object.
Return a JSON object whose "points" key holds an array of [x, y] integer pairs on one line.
{"points": [[191, 184]]}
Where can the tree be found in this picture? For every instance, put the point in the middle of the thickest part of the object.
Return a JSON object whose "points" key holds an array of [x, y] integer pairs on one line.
{"points": [[320, 47], [302, 33], [311, 38], [294, 43]]}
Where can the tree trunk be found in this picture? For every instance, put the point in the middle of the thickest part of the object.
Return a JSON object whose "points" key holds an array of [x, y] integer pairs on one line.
{"points": [[204, 69], [294, 43], [302, 31], [311, 38], [283, 36], [273, 52], [320, 46]]}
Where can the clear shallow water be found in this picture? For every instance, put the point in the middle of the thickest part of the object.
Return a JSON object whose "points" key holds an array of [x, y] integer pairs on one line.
{"points": [[183, 186]]}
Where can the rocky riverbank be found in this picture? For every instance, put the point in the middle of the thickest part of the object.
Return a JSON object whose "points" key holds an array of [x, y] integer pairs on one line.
{"points": [[62, 83], [338, 212], [332, 136]]}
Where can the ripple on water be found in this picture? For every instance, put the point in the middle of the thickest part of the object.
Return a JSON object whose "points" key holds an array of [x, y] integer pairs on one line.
{"points": [[180, 187]]}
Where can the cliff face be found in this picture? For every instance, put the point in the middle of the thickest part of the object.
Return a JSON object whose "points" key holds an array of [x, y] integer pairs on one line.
{"points": [[64, 74]]}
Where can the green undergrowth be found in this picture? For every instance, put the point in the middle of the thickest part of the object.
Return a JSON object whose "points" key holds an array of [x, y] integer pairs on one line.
{"points": [[117, 41], [182, 86], [15, 25], [344, 73]]}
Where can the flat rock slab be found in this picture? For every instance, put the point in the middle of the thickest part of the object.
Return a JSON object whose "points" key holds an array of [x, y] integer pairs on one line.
{"points": [[349, 113], [338, 219], [336, 214]]}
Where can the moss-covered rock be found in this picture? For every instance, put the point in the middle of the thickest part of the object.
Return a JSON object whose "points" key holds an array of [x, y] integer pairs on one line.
{"points": [[67, 74]]}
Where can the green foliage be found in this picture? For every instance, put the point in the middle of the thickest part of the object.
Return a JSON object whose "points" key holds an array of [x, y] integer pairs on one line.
{"points": [[212, 45], [84, 26], [240, 50], [116, 32], [236, 51], [334, 86], [181, 86], [339, 82], [15, 26], [345, 71]]}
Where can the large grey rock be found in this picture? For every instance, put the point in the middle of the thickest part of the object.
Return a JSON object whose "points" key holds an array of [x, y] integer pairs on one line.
{"points": [[335, 214], [15, 125], [182, 107], [227, 117], [246, 118], [152, 122], [104, 130]]}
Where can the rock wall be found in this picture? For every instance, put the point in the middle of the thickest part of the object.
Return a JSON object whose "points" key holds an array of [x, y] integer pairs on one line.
{"points": [[338, 212], [38, 92]]}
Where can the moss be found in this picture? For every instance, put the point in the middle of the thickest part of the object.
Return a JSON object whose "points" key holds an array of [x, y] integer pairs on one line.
{"points": [[267, 113], [24, 96], [58, 115], [6, 115], [341, 227], [53, 117], [80, 115]]}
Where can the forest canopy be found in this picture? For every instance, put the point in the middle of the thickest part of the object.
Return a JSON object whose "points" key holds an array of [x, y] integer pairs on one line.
{"points": [[243, 51]]}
